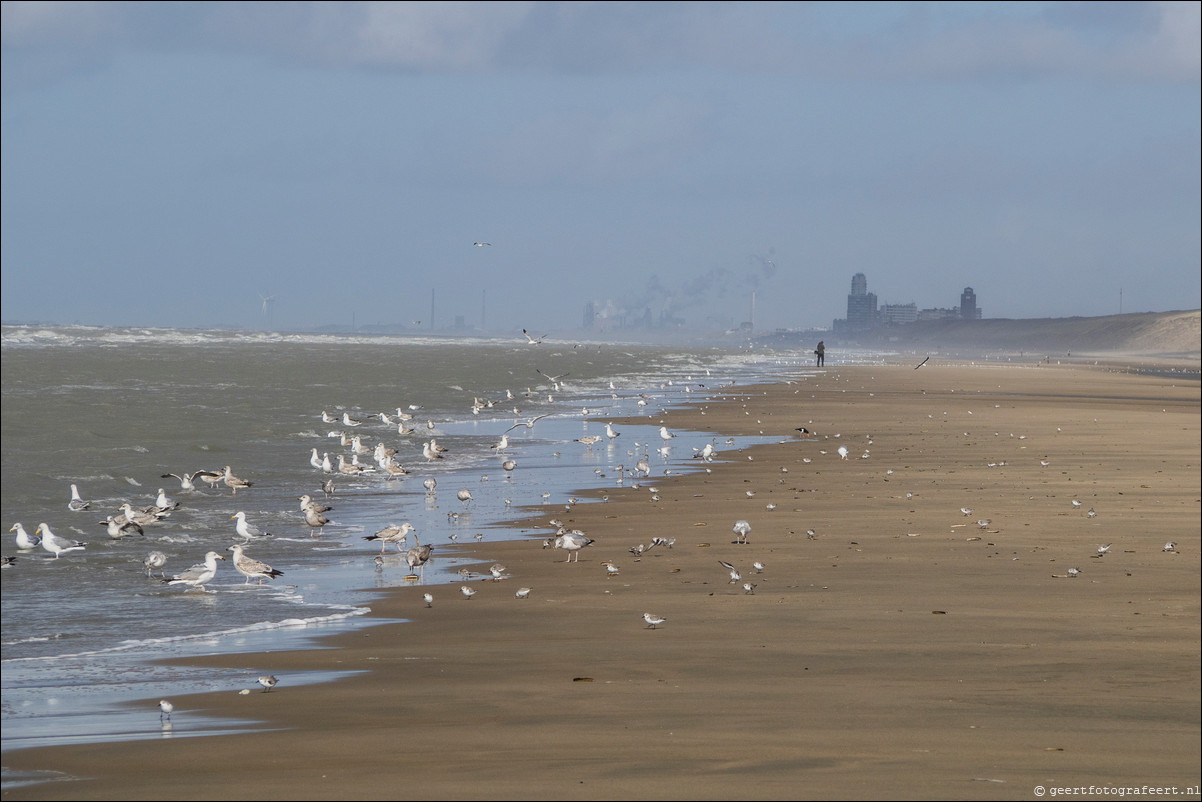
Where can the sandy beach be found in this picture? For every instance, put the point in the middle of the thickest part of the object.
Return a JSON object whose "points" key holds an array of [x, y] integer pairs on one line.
{"points": [[903, 650]]}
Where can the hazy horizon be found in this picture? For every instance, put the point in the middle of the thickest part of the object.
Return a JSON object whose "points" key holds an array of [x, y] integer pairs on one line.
{"points": [[174, 165]]}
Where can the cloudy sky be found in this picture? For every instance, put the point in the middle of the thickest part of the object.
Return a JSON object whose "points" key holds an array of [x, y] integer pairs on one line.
{"points": [[170, 164]]}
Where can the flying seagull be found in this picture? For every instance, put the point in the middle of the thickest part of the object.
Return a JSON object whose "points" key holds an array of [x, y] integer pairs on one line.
{"points": [[481, 244]]}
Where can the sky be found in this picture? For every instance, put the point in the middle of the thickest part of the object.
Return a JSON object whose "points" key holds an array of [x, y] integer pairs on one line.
{"points": [[711, 164]]}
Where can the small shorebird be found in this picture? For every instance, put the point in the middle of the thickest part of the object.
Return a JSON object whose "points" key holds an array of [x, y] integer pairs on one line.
{"points": [[611, 569], [428, 598], [749, 588], [466, 591], [165, 709], [653, 621], [268, 682], [758, 566], [1103, 550], [735, 576], [1170, 546], [521, 593]]}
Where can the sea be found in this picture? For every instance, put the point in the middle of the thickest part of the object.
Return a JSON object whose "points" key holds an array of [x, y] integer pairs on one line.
{"points": [[116, 410]]}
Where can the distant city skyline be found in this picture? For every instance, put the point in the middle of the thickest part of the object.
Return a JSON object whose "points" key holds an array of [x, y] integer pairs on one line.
{"points": [[178, 164]]}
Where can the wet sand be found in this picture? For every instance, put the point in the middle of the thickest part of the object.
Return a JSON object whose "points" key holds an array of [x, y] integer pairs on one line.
{"points": [[903, 651]]}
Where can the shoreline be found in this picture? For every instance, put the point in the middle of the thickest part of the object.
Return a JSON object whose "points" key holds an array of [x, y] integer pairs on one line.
{"points": [[890, 654]]}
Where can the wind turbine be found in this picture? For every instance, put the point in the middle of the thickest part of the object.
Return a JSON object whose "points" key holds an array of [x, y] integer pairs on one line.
{"points": [[267, 301]]}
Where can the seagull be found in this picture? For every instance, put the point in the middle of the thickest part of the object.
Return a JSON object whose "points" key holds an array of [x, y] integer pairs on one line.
{"points": [[707, 452], [610, 433], [187, 480], [165, 709], [466, 591], [529, 424], [313, 516], [268, 682], [247, 529], [140, 517], [481, 244], [250, 567], [308, 503], [120, 526], [521, 593], [664, 434], [347, 420], [155, 559], [418, 556], [315, 460], [164, 504], [57, 545], [572, 541], [429, 452], [429, 599], [233, 482], [735, 576], [741, 529], [25, 541], [530, 339], [77, 504], [198, 575], [589, 440], [653, 620], [503, 443], [842, 452], [392, 534]]}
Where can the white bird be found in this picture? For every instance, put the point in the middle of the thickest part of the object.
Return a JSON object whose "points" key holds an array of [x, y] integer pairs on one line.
{"points": [[187, 481], [501, 444], [429, 599], [1170, 546], [481, 244], [165, 709], [155, 559], [198, 575], [842, 452], [611, 569], [966, 510], [610, 433], [315, 459], [529, 424], [1091, 513], [464, 495], [430, 484], [25, 541], [250, 567], [392, 534], [347, 420], [1076, 503], [497, 570], [735, 576], [326, 417], [247, 529], [57, 545], [741, 529], [749, 588], [521, 593], [1102, 550], [268, 682], [664, 434], [653, 621], [466, 591], [572, 542], [758, 566], [164, 504], [429, 453], [530, 339], [707, 452], [589, 440], [76, 503]]}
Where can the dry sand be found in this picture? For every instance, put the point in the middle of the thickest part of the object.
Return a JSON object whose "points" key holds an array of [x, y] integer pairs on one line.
{"points": [[903, 652]]}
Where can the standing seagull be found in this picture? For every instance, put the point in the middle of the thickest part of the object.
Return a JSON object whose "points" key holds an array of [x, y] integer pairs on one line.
{"points": [[57, 545], [247, 529], [396, 533], [664, 434], [198, 575], [155, 559], [251, 568], [26, 541], [77, 504], [572, 542], [418, 556], [233, 482]]}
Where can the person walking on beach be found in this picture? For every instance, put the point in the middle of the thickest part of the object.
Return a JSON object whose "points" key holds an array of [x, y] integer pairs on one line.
{"points": [[821, 352]]}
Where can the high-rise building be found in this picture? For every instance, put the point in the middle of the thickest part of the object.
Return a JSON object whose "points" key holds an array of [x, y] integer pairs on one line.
{"points": [[861, 305], [968, 305]]}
